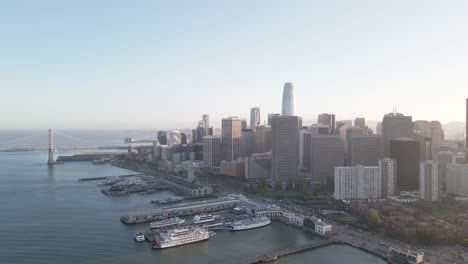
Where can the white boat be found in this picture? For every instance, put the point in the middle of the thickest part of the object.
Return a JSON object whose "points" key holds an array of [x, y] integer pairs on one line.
{"points": [[139, 237], [167, 222], [178, 237], [204, 218], [250, 223]]}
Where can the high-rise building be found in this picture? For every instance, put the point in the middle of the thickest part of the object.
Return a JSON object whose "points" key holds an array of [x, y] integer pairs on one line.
{"points": [[395, 125], [254, 117], [327, 152], [388, 169], [364, 150], [437, 135], [288, 100], [328, 120], [429, 184], [357, 182], [304, 149], [444, 158], [424, 145], [285, 148], [183, 138], [378, 129], [173, 138], [457, 179], [341, 123], [406, 152], [466, 132], [244, 124], [262, 139], [319, 129], [162, 137], [206, 125], [248, 142], [271, 116], [350, 132], [360, 122], [212, 153], [231, 133]]}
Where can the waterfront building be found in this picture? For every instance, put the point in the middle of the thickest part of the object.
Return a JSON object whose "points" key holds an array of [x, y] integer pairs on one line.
{"points": [[231, 133], [327, 120], [288, 105], [406, 152], [457, 179], [358, 182], [429, 183], [388, 170], [212, 153], [262, 139], [304, 149], [364, 150], [258, 166], [254, 117], [395, 125], [247, 142], [285, 148], [327, 152], [186, 188]]}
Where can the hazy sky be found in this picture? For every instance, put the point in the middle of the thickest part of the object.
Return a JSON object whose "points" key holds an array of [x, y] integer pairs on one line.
{"points": [[162, 64]]}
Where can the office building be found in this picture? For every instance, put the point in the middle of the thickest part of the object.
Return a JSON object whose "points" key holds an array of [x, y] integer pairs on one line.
{"points": [[162, 137], [358, 182], [319, 129], [388, 170], [444, 158], [340, 124], [395, 125], [243, 124], [270, 118], [248, 142], [173, 138], [364, 150], [289, 102], [327, 152], [183, 138], [235, 168], [437, 135], [258, 166], [254, 118], [262, 139], [406, 152], [360, 122], [304, 149], [424, 145], [457, 179], [206, 125], [212, 153], [429, 184], [231, 133], [350, 132], [328, 120], [285, 148]]}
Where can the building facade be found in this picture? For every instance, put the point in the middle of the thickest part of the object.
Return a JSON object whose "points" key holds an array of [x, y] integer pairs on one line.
{"points": [[358, 182], [248, 142], [388, 170], [327, 152], [258, 166], [231, 133], [406, 152], [254, 117], [457, 179], [289, 102], [364, 150], [429, 184], [327, 120], [212, 153], [395, 125], [285, 148]]}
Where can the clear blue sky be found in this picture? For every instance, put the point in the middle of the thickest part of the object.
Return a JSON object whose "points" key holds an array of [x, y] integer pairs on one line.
{"points": [[162, 64]]}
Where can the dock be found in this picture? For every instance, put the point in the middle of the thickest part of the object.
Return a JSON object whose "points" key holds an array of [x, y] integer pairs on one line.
{"points": [[105, 177]]}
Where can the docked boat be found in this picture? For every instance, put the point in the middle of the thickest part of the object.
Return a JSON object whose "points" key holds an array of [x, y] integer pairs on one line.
{"points": [[167, 223], [169, 200], [180, 236], [204, 218], [250, 223], [139, 237]]}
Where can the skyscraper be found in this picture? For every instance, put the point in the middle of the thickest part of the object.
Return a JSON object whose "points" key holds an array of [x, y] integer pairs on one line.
{"points": [[212, 153], [327, 152], [162, 137], [270, 118], [288, 100], [364, 150], [406, 152], [248, 142], [328, 120], [388, 168], [231, 133], [304, 149], [466, 132], [395, 125], [444, 158], [360, 122], [206, 125], [254, 117], [285, 148], [457, 179], [429, 183], [173, 138], [262, 139], [243, 124]]}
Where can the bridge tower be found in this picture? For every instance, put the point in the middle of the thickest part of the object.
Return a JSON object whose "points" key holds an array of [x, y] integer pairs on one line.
{"points": [[51, 161]]}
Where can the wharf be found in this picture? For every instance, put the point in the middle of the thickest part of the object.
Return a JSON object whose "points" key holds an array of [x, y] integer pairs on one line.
{"points": [[105, 177]]}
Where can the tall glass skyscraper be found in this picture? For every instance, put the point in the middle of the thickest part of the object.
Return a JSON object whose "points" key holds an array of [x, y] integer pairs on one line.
{"points": [[288, 100]]}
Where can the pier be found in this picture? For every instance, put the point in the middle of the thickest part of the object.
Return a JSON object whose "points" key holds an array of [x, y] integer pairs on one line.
{"points": [[105, 177]]}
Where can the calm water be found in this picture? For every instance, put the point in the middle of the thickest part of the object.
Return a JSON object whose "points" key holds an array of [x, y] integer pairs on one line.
{"points": [[47, 216]]}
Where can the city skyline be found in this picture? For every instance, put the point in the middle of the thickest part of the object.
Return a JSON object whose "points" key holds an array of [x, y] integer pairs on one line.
{"points": [[125, 54]]}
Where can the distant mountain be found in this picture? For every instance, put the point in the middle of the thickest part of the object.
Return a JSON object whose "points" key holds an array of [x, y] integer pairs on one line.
{"points": [[454, 130]]}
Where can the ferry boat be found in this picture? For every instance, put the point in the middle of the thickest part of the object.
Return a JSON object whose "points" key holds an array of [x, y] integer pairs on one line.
{"points": [[250, 223], [204, 218], [178, 237], [139, 237], [167, 222]]}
